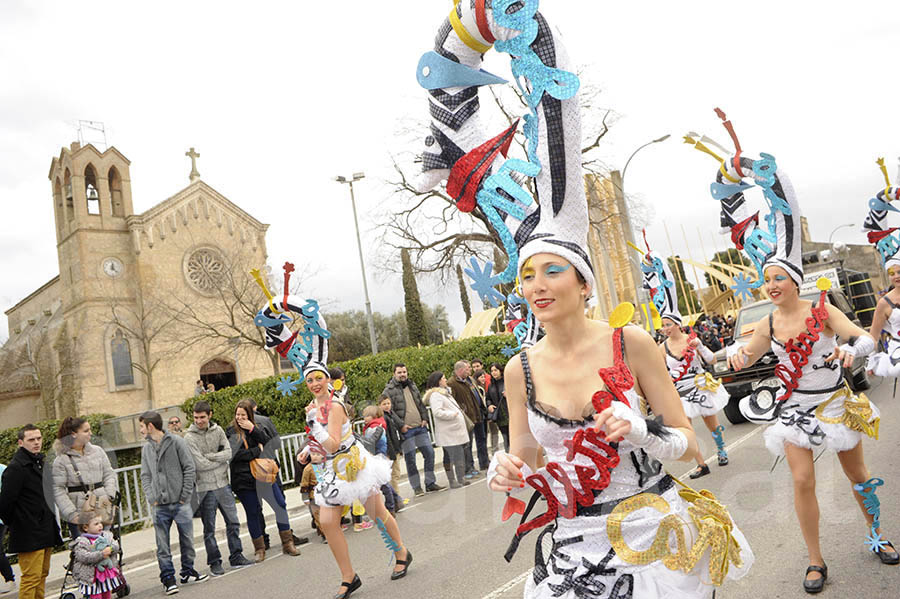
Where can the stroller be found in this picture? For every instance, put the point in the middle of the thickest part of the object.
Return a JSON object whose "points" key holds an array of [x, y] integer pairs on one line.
{"points": [[69, 586]]}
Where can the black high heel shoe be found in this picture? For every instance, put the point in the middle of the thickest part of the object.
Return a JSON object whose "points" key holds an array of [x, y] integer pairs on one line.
{"points": [[405, 563], [890, 558], [351, 586], [816, 584]]}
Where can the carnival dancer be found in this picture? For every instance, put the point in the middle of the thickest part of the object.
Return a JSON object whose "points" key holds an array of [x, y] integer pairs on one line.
{"points": [[815, 407], [687, 360], [575, 393], [886, 320], [349, 473]]}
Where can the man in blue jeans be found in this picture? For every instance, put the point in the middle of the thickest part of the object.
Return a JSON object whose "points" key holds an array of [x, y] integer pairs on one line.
{"points": [[212, 454], [167, 478], [408, 407]]}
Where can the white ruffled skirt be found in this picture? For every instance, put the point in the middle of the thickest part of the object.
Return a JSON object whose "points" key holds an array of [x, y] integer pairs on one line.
{"points": [[700, 402], [353, 475], [583, 563], [832, 420]]}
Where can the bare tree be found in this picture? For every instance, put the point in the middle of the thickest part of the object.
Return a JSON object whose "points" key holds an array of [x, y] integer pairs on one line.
{"points": [[150, 321], [429, 226], [225, 317], [44, 359]]}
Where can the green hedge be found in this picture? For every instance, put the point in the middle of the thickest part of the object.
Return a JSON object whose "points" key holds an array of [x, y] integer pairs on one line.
{"points": [[366, 378], [49, 428]]}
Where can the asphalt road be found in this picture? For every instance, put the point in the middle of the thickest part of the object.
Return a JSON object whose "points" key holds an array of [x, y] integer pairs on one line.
{"points": [[458, 541]]}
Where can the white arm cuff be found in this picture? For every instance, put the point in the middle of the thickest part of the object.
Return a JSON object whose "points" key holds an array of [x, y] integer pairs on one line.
{"points": [[863, 346], [492, 471], [668, 447], [706, 354]]}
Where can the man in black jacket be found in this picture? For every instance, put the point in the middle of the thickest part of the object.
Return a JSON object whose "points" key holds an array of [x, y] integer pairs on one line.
{"points": [[33, 531], [410, 411]]}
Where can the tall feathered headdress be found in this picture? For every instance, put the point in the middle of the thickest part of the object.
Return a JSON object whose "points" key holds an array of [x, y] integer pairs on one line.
{"points": [[777, 240], [457, 149], [885, 238], [306, 346]]}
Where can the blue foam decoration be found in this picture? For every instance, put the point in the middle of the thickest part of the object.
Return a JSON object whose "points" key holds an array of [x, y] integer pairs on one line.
{"points": [[261, 320], [483, 282], [287, 385], [742, 287], [878, 205], [721, 191], [443, 72], [764, 168], [388, 540], [508, 351]]}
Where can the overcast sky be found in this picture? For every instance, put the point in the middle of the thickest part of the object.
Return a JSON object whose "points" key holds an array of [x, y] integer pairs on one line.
{"points": [[279, 97]]}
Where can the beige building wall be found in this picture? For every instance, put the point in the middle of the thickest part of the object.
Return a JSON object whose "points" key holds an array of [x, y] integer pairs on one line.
{"points": [[128, 277]]}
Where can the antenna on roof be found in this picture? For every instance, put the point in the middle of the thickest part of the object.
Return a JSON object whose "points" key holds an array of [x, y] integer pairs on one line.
{"points": [[92, 132]]}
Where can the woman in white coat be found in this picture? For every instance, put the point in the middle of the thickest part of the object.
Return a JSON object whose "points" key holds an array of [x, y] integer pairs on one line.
{"points": [[450, 429]]}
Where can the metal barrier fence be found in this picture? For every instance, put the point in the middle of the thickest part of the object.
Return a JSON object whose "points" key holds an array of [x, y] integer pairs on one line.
{"points": [[134, 508]]}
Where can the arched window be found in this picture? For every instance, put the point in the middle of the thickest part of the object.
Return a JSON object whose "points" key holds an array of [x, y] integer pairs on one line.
{"points": [[121, 360], [90, 190], [115, 191], [67, 190]]}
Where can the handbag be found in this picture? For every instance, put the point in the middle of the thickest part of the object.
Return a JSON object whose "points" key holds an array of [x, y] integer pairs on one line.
{"points": [[98, 505], [469, 424], [265, 470]]}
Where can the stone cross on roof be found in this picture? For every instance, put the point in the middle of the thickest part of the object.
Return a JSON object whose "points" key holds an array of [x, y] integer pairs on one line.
{"points": [[195, 175]]}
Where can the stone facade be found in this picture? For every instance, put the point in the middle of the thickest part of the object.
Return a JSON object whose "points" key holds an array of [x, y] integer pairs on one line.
{"points": [[123, 322]]}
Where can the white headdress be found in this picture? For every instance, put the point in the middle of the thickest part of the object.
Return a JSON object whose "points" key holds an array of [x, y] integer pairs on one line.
{"points": [[657, 277], [776, 241], [457, 148]]}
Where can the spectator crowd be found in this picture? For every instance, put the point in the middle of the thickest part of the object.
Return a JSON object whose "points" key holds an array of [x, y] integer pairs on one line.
{"points": [[200, 471]]}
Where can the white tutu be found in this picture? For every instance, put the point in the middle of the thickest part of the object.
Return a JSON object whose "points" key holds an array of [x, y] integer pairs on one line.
{"points": [[333, 490], [802, 425], [703, 403]]}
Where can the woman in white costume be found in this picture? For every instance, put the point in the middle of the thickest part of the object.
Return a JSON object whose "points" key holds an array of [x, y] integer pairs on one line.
{"points": [[814, 408], [687, 360]]}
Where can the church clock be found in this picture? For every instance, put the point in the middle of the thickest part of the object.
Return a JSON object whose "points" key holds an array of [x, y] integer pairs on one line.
{"points": [[113, 267]]}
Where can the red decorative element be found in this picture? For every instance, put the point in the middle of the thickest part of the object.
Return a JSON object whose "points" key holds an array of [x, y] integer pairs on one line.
{"points": [[644, 233], [481, 20], [285, 346], [738, 230], [467, 173], [618, 378], [687, 357], [288, 269], [736, 160], [876, 236], [512, 506], [512, 324], [799, 350]]}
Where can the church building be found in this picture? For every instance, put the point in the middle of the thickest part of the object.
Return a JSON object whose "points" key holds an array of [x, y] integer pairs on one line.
{"points": [[144, 304]]}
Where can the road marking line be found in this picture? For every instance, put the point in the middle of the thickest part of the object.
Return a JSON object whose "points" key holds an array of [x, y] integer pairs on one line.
{"points": [[498, 592], [727, 448]]}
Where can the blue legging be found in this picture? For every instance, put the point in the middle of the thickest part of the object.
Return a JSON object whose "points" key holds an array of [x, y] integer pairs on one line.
{"points": [[274, 497]]}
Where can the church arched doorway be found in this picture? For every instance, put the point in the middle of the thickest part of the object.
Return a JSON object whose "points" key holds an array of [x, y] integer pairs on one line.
{"points": [[219, 372]]}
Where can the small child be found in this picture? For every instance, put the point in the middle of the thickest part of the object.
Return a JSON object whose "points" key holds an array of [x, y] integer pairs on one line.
{"points": [[375, 433], [95, 572]]}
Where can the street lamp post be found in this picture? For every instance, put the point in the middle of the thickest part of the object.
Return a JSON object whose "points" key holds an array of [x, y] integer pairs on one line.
{"points": [[362, 265], [835, 230], [640, 292]]}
